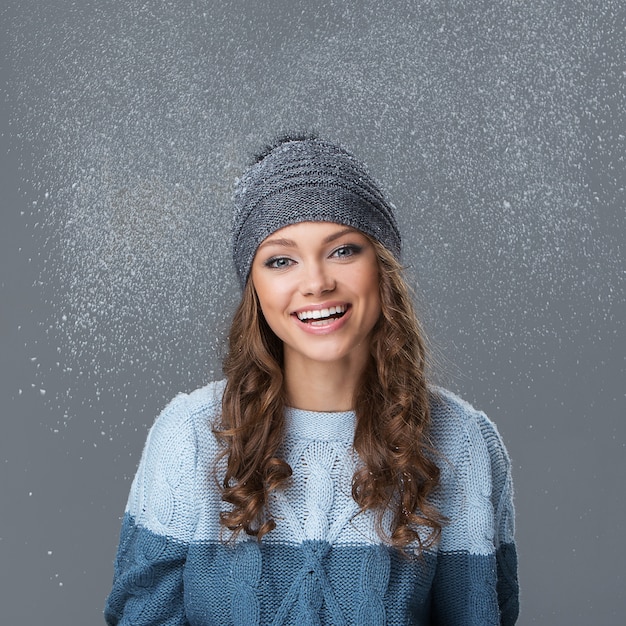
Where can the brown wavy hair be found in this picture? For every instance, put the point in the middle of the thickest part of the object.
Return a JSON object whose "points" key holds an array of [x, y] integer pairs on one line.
{"points": [[397, 470]]}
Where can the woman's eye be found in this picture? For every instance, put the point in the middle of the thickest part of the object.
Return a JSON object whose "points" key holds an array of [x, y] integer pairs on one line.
{"points": [[346, 251], [278, 262]]}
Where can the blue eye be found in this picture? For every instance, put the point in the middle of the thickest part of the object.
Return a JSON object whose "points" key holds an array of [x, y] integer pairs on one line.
{"points": [[346, 251], [278, 262]]}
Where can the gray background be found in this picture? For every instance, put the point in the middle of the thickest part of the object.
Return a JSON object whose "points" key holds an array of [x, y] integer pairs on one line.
{"points": [[497, 129]]}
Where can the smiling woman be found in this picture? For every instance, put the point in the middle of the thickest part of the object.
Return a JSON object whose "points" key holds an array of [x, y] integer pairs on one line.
{"points": [[317, 286], [325, 481]]}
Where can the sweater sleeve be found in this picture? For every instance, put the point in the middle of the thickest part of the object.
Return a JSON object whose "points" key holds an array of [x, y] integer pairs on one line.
{"points": [[476, 577], [504, 522], [158, 524]]}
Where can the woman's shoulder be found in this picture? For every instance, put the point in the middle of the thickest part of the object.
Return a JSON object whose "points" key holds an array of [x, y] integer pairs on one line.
{"points": [[184, 426], [200, 406], [449, 412], [448, 409], [206, 401], [456, 424]]}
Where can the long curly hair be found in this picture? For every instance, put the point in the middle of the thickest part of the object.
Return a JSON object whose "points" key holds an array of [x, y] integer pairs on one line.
{"points": [[397, 471]]}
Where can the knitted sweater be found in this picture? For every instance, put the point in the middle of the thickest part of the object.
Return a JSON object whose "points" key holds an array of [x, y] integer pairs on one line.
{"points": [[324, 563]]}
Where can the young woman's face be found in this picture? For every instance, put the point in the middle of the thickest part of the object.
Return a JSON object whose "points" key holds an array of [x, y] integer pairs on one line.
{"points": [[317, 283]]}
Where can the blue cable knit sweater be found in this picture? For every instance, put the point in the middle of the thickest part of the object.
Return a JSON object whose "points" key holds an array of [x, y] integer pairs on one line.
{"points": [[323, 564]]}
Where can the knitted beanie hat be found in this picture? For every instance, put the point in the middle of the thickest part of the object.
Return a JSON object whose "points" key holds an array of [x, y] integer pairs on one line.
{"points": [[307, 180]]}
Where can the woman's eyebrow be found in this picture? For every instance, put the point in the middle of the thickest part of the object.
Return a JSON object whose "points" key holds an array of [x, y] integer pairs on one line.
{"points": [[285, 243], [340, 233]]}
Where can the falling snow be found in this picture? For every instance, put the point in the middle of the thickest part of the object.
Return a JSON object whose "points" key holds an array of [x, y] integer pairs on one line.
{"points": [[484, 122], [497, 129]]}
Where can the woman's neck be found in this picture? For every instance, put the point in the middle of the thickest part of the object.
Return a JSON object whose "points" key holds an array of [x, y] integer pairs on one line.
{"points": [[321, 386]]}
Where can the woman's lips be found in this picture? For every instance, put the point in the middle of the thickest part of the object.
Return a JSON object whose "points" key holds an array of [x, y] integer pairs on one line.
{"points": [[324, 319]]}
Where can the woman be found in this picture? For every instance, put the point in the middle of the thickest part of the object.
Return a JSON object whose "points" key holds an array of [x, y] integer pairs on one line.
{"points": [[324, 481]]}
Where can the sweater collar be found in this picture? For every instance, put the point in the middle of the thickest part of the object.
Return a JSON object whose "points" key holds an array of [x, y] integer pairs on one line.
{"points": [[320, 426]]}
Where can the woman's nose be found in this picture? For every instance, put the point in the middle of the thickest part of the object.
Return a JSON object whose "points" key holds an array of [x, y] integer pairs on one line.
{"points": [[317, 280]]}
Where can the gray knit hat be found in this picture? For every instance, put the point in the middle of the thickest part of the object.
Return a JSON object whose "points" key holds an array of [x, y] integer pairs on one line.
{"points": [[307, 180]]}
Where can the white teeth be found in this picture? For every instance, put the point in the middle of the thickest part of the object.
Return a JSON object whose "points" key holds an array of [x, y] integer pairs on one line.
{"points": [[321, 313]]}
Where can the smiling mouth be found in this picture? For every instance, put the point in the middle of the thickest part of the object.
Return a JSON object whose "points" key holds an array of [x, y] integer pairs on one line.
{"points": [[322, 317]]}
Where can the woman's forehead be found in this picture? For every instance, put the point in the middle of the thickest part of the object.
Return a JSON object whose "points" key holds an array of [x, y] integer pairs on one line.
{"points": [[324, 231]]}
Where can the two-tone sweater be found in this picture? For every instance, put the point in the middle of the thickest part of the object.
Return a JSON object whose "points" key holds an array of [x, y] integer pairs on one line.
{"points": [[324, 563]]}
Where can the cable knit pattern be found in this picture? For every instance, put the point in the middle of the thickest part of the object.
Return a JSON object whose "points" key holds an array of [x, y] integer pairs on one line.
{"points": [[246, 573], [324, 563], [372, 586]]}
